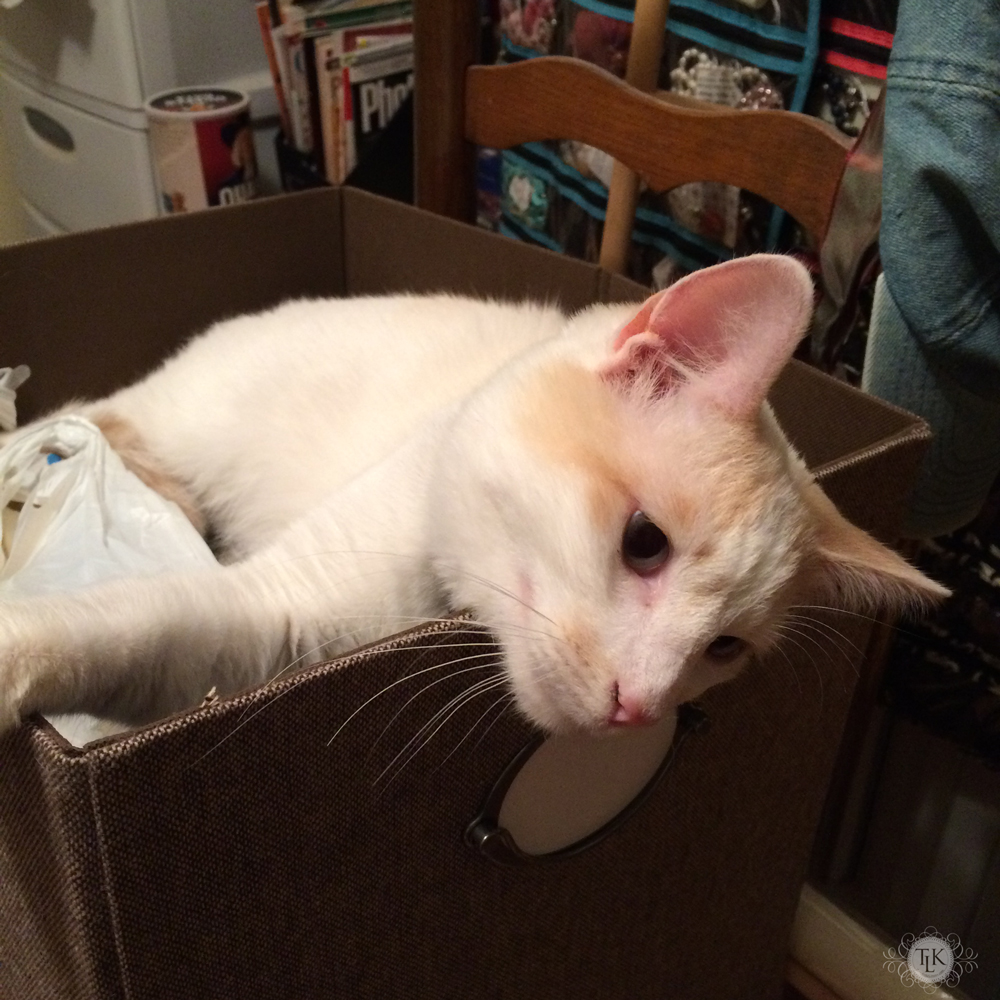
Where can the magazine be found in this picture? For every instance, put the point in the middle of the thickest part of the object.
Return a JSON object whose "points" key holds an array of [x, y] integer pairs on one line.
{"points": [[311, 52], [363, 76]]}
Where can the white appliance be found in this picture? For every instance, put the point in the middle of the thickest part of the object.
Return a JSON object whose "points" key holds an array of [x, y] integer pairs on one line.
{"points": [[74, 75]]}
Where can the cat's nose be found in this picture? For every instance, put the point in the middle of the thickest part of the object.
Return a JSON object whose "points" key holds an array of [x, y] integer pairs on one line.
{"points": [[631, 710]]}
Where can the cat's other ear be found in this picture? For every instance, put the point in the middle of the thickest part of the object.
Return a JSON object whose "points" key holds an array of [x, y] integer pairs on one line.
{"points": [[851, 570], [727, 330]]}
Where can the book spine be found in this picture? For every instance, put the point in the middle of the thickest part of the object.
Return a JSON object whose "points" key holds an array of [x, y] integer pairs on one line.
{"points": [[310, 52], [328, 59], [380, 80], [312, 102], [298, 94], [265, 20], [348, 145], [354, 17]]}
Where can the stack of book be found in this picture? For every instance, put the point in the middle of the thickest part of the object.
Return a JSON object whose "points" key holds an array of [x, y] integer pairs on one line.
{"points": [[341, 69]]}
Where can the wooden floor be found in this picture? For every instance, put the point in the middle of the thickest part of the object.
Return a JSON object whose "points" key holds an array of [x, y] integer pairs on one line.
{"points": [[802, 985]]}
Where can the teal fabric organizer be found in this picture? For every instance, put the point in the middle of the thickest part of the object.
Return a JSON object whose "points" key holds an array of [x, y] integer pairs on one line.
{"points": [[773, 48]]}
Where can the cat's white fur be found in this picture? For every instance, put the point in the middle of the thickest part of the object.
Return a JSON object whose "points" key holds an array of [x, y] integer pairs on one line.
{"points": [[367, 463]]}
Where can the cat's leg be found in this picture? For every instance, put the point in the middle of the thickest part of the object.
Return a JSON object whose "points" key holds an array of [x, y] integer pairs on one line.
{"points": [[139, 649], [353, 570]]}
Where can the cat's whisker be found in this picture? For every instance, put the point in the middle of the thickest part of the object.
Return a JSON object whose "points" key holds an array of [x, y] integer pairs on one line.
{"points": [[342, 636], [409, 555], [524, 631], [857, 614], [788, 630], [836, 641], [839, 611], [814, 625], [455, 569], [243, 720], [443, 719], [499, 701], [507, 701], [454, 703], [421, 738], [492, 643], [397, 682], [506, 593], [426, 688], [805, 653], [818, 625], [241, 724], [777, 649], [844, 655], [791, 663]]}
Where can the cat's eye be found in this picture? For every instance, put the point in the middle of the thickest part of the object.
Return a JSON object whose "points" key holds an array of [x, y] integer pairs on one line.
{"points": [[725, 647], [644, 546]]}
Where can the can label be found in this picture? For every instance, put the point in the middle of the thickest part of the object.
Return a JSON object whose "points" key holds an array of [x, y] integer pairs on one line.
{"points": [[204, 156]]}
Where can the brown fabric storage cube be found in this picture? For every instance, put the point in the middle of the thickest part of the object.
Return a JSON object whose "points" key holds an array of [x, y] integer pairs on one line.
{"points": [[231, 852]]}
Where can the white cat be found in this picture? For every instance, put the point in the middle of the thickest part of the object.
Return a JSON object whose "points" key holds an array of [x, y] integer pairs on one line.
{"points": [[608, 492]]}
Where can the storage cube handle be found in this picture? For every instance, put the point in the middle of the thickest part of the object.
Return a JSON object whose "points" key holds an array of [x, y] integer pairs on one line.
{"points": [[486, 835]]}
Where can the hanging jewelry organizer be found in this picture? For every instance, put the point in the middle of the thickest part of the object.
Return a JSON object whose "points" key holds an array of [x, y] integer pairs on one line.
{"points": [[745, 53]]}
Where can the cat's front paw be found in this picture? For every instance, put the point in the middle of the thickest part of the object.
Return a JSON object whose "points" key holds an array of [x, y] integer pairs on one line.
{"points": [[10, 717], [27, 669], [13, 692]]}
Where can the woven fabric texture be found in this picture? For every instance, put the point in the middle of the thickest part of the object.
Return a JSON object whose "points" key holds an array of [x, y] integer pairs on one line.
{"points": [[239, 854]]}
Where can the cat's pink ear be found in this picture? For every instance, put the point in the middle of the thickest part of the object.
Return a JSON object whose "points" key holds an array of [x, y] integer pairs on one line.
{"points": [[727, 330], [851, 570]]}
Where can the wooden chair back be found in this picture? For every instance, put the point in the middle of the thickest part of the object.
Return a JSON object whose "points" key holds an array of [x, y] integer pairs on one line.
{"points": [[793, 160]]}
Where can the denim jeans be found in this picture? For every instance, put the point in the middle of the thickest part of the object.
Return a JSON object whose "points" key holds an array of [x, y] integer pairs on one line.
{"points": [[934, 342], [940, 238]]}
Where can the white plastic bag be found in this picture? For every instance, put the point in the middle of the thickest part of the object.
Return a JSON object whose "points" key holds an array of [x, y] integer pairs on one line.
{"points": [[84, 517], [10, 379]]}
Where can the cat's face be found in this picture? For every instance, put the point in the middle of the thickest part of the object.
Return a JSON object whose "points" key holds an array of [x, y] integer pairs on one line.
{"points": [[630, 521], [645, 562]]}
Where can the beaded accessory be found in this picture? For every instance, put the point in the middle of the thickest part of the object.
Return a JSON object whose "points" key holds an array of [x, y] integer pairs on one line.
{"points": [[758, 90], [735, 85], [710, 209], [844, 99]]}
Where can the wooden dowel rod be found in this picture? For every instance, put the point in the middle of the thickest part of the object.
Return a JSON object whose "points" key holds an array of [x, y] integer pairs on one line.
{"points": [[642, 72]]}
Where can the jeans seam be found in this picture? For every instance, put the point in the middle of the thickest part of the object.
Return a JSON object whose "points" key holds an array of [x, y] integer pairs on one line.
{"points": [[946, 333]]}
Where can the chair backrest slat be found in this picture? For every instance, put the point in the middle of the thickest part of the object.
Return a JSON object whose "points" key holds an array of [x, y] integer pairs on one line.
{"points": [[792, 160]]}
